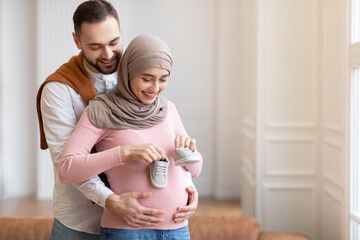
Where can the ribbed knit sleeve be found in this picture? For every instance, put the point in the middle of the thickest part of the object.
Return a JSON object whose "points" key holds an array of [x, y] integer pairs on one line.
{"points": [[179, 129], [77, 163]]}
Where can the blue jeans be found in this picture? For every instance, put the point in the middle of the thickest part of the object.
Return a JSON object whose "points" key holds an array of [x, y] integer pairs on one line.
{"points": [[144, 234], [61, 232]]}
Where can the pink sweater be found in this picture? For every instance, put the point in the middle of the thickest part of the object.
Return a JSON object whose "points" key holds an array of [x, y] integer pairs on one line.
{"points": [[78, 165]]}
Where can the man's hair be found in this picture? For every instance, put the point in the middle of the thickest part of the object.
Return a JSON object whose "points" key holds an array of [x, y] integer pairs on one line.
{"points": [[92, 11]]}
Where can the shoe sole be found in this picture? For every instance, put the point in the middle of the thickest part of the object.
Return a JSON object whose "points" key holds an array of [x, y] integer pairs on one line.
{"points": [[156, 185], [186, 161]]}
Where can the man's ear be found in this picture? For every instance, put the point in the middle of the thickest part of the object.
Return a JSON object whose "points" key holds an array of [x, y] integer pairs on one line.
{"points": [[77, 41]]}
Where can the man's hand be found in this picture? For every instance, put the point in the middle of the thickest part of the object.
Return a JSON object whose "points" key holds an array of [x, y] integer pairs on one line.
{"points": [[127, 209], [189, 210]]}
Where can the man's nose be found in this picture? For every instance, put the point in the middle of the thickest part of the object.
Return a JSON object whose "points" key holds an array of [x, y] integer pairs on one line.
{"points": [[107, 52]]}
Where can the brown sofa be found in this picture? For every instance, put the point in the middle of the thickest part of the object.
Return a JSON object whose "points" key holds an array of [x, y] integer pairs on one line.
{"points": [[201, 228]]}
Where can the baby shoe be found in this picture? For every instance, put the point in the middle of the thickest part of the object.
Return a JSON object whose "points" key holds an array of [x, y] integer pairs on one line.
{"points": [[184, 156], [159, 172]]}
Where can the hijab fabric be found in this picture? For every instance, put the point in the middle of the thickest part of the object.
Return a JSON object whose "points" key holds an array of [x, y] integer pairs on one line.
{"points": [[122, 109]]}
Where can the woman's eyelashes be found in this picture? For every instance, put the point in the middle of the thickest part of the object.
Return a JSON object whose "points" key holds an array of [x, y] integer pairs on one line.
{"points": [[146, 80], [149, 80]]}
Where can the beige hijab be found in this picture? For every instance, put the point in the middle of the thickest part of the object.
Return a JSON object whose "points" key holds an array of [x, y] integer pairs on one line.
{"points": [[122, 109]]}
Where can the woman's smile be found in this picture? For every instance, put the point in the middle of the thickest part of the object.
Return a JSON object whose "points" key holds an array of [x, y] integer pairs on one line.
{"points": [[150, 95], [148, 85]]}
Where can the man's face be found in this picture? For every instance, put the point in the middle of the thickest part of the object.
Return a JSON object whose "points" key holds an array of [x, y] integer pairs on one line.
{"points": [[101, 45]]}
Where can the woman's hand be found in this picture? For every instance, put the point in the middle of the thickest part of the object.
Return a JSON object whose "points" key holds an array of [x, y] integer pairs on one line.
{"points": [[186, 212], [148, 152], [185, 142]]}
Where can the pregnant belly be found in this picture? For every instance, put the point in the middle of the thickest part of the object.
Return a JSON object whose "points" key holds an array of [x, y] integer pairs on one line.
{"points": [[169, 198]]}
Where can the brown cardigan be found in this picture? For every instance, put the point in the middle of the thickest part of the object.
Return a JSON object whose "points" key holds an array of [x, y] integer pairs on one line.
{"points": [[73, 74]]}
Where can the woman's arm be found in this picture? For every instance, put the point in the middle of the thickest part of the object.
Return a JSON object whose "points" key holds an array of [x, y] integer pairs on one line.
{"points": [[179, 129], [77, 163]]}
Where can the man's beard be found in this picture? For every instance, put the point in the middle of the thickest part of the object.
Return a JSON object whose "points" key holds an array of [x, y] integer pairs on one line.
{"points": [[104, 70]]}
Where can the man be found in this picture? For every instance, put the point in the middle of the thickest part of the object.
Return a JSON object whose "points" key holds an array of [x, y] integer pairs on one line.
{"points": [[61, 100]]}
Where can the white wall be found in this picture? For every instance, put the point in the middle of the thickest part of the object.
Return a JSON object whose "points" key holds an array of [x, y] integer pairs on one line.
{"points": [[294, 150], [228, 101], [248, 70], [336, 96], [38, 39], [18, 74], [1, 100], [289, 114]]}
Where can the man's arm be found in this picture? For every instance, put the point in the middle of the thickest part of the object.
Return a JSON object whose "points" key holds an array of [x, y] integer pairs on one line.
{"points": [[59, 119]]}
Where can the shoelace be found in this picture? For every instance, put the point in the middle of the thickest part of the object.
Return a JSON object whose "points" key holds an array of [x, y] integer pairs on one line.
{"points": [[161, 168]]}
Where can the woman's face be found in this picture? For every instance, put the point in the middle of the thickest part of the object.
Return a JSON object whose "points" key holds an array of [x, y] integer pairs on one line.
{"points": [[148, 85]]}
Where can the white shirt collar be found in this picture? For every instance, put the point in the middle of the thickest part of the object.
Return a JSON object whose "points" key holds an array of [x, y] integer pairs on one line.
{"points": [[103, 83]]}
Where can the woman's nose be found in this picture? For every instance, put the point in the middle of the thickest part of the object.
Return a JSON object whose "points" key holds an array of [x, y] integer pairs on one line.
{"points": [[155, 86]]}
